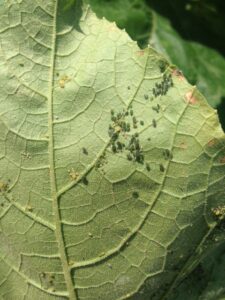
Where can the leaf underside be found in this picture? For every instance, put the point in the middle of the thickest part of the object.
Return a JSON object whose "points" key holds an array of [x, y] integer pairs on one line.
{"points": [[111, 164]]}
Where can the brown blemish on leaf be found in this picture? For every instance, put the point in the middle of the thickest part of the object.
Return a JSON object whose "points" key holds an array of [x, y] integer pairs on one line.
{"points": [[3, 186], [183, 146], [140, 53], [219, 211], [212, 142], [112, 27], [63, 80], [73, 174], [190, 98], [26, 155], [222, 160], [178, 74]]}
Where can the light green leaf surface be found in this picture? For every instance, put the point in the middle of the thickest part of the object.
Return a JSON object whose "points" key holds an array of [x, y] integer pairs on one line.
{"points": [[83, 217], [202, 65]]}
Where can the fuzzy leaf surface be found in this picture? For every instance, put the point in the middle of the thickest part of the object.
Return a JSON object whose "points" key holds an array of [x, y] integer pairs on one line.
{"points": [[111, 163]]}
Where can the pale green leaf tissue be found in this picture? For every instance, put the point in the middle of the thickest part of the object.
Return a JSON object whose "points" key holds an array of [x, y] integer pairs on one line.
{"points": [[112, 165]]}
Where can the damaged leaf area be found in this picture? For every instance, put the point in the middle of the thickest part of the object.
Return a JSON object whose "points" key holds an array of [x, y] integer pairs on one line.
{"points": [[126, 172]]}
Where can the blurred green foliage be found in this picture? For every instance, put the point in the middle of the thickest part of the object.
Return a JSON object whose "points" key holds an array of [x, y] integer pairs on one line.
{"points": [[190, 33]]}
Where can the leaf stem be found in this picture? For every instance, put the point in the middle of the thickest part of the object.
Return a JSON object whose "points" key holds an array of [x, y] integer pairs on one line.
{"points": [[55, 199]]}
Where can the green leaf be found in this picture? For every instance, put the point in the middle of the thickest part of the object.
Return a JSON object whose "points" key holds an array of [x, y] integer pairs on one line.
{"points": [[201, 64], [112, 165], [132, 15], [206, 282]]}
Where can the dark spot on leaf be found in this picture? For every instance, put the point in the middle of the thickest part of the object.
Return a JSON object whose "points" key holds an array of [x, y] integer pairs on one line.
{"points": [[135, 195], [129, 157], [161, 168], [148, 167], [85, 151], [162, 65], [222, 160], [85, 181]]}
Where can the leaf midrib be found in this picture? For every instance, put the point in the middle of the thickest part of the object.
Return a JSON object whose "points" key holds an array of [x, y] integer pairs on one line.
{"points": [[55, 199]]}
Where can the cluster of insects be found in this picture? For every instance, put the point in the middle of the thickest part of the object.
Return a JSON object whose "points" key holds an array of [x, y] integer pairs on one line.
{"points": [[125, 122], [135, 150], [121, 125], [162, 66], [162, 88]]}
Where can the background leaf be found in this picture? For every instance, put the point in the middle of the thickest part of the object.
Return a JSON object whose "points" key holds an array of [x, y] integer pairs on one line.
{"points": [[133, 15]]}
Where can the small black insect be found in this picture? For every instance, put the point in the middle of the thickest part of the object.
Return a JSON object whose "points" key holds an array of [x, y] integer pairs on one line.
{"points": [[148, 168], [134, 120], [129, 157], [85, 151], [114, 148], [119, 146], [161, 168], [135, 195], [85, 181]]}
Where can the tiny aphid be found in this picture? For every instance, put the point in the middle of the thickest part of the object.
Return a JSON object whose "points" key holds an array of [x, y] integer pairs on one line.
{"points": [[148, 167], [129, 157], [161, 168], [146, 97], [154, 124], [142, 123], [119, 145], [135, 195], [134, 120], [128, 127], [85, 151], [162, 66], [85, 181], [113, 148], [131, 112]]}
